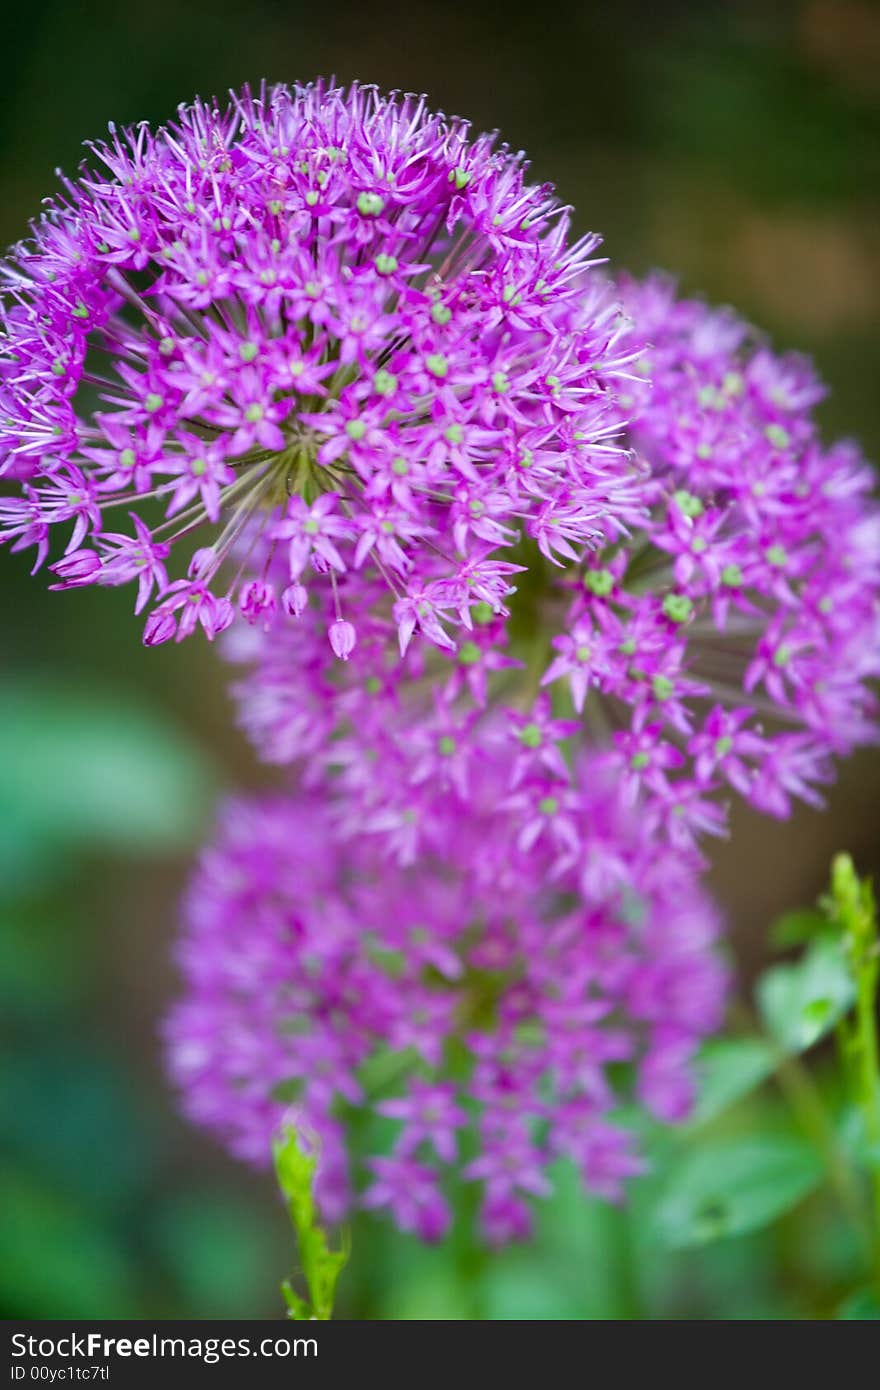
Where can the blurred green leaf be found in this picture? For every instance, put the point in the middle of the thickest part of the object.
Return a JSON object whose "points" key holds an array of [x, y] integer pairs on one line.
{"points": [[733, 1186], [525, 1283], [797, 927], [24, 860], [727, 1070], [803, 1001], [82, 767], [525, 1288], [434, 1294]]}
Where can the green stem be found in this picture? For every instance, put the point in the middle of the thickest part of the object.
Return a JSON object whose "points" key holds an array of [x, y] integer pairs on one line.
{"points": [[321, 1267], [852, 904], [806, 1103], [805, 1099], [868, 1073]]}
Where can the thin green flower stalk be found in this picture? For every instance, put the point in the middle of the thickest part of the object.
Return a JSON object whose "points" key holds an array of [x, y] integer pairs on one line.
{"points": [[853, 908], [321, 1267]]}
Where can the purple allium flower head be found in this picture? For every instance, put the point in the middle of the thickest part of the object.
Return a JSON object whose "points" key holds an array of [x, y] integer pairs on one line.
{"points": [[318, 326], [502, 987], [740, 624]]}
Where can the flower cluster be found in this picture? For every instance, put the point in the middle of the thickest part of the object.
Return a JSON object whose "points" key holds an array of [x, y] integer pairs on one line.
{"points": [[320, 323], [490, 1005], [739, 628]]}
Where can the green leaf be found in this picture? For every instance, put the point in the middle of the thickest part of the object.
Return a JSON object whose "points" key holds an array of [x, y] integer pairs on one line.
{"points": [[797, 928], [733, 1186], [87, 767], [297, 1308], [727, 1070], [522, 1288], [802, 1002]]}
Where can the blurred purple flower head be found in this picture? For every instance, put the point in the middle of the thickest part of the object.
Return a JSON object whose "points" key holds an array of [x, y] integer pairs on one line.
{"points": [[316, 325], [499, 985]]}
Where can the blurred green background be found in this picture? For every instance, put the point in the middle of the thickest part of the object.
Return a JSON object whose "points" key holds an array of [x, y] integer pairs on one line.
{"points": [[736, 144]]}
